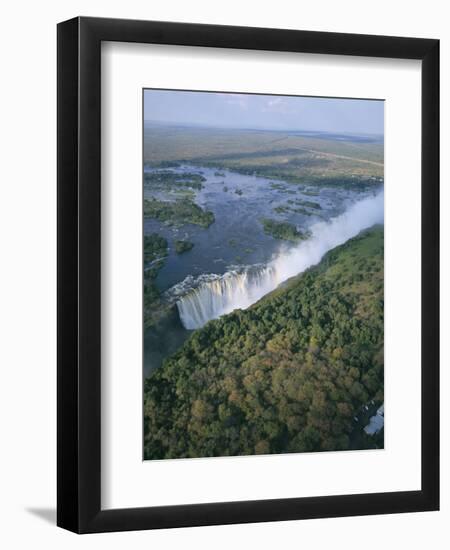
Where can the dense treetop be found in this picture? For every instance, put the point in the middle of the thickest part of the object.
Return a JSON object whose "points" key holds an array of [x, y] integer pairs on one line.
{"points": [[288, 374], [177, 212]]}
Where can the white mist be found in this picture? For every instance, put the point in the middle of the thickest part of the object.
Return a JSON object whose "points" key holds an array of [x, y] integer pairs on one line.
{"points": [[236, 290]]}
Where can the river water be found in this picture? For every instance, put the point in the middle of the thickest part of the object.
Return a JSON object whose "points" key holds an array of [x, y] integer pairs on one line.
{"points": [[233, 262], [236, 237]]}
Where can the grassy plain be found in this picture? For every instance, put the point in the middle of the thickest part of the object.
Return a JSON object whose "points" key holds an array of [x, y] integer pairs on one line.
{"points": [[277, 154]]}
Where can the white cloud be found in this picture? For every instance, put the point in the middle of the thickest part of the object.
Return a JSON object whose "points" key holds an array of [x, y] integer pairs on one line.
{"points": [[274, 101], [237, 100], [276, 105]]}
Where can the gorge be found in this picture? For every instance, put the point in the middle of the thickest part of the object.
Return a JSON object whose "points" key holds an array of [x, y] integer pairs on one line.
{"points": [[239, 289]]}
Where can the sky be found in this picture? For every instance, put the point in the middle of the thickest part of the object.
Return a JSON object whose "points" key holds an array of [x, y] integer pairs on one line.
{"points": [[352, 116]]}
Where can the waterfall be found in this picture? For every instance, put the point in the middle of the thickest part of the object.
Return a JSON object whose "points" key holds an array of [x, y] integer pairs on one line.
{"points": [[234, 290], [241, 289]]}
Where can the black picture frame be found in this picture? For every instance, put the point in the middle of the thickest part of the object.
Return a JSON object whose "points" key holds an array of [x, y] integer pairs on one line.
{"points": [[79, 280]]}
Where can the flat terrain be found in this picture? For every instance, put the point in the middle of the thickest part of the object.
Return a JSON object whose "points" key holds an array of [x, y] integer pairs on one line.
{"points": [[300, 370], [318, 159]]}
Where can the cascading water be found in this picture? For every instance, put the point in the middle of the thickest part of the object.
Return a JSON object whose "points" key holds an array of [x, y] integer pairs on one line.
{"points": [[239, 290], [234, 290]]}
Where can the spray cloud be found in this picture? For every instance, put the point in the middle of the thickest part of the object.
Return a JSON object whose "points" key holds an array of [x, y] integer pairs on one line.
{"points": [[239, 290]]}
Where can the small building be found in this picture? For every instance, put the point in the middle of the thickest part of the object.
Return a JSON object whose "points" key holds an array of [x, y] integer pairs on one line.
{"points": [[376, 422]]}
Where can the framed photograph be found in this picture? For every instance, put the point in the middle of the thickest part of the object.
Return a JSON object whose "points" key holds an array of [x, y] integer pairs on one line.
{"points": [[248, 258]]}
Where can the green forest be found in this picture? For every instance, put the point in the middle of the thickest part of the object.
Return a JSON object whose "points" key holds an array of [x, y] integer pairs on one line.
{"points": [[171, 180], [183, 246], [290, 374], [283, 230], [178, 212], [155, 252], [282, 155]]}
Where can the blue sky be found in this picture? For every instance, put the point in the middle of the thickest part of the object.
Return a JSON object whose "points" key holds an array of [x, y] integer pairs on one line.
{"points": [[356, 116]]}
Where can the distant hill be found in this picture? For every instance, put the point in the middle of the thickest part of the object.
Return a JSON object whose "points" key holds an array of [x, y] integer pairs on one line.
{"points": [[287, 375]]}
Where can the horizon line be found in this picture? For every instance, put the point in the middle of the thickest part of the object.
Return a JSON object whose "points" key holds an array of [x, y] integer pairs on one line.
{"points": [[263, 128]]}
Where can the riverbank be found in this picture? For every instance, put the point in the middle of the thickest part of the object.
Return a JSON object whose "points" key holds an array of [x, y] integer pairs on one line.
{"points": [[288, 374]]}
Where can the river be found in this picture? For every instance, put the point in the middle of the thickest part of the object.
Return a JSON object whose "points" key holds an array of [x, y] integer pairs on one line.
{"points": [[233, 262]]}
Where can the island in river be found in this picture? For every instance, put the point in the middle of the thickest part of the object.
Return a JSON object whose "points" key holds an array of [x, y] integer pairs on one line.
{"points": [[263, 291]]}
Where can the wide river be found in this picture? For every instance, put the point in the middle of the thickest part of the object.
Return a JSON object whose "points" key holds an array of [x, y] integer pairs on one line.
{"points": [[234, 255], [237, 236]]}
